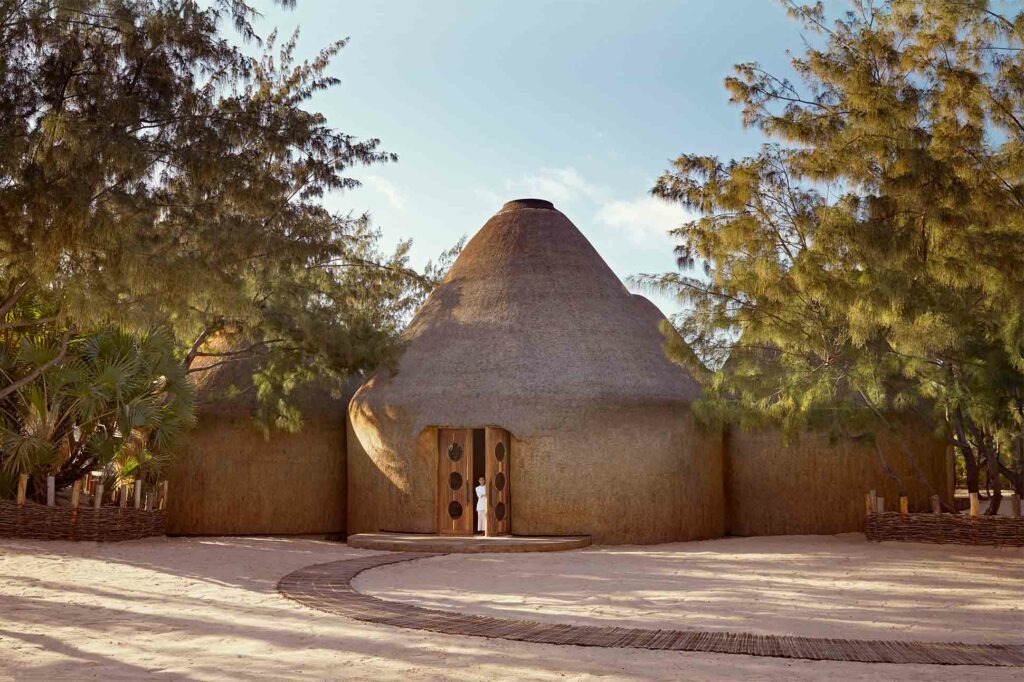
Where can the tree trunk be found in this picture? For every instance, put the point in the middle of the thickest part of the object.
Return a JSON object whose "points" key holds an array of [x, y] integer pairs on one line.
{"points": [[889, 471], [996, 498], [970, 463]]}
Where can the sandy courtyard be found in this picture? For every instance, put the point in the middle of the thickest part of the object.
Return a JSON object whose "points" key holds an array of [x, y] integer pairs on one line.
{"points": [[813, 586], [208, 609]]}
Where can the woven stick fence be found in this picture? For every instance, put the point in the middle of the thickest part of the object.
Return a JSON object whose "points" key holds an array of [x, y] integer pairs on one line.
{"points": [[104, 524], [957, 529], [946, 529]]}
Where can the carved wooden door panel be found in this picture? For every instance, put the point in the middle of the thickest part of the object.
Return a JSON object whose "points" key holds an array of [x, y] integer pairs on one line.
{"points": [[455, 485], [498, 444]]}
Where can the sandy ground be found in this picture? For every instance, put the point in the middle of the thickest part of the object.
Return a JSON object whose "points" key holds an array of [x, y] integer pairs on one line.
{"points": [[208, 609], [815, 586]]}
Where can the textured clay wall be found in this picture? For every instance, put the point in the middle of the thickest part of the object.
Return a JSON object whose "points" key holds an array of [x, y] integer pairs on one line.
{"points": [[812, 487], [633, 475], [230, 480]]}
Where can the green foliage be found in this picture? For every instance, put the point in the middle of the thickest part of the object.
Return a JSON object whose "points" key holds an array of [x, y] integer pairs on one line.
{"points": [[872, 259], [154, 175], [117, 402]]}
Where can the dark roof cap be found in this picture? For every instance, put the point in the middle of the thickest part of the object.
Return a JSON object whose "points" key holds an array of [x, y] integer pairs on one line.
{"points": [[528, 203]]}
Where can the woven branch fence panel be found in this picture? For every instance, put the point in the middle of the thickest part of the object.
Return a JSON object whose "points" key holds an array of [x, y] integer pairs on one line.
{"points": [[107, 524], [955, 529]]}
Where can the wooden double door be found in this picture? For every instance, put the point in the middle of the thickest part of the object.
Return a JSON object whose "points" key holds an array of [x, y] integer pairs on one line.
{"points": [[457, 480]]}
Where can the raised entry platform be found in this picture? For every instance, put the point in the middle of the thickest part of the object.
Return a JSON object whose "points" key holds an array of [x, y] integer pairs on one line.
{"points": [[466, 544]]}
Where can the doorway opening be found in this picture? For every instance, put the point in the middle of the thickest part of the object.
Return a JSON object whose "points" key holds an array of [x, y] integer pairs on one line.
{"points": [[479, 471], [464, 457]]}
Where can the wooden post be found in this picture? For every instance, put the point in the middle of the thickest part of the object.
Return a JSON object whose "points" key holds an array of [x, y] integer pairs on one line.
{"points": [[51, 491], [974, 504], [1015, 506], [76, 490], [874, 501], [904, 507], [138, 493], [97, 500], [936, 505], [22, 487], [163, 496], [867, 504], [124, 496], [881, 504]]}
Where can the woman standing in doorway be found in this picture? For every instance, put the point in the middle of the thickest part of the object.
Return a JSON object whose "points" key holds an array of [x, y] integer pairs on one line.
{"points": [[481, 506]]}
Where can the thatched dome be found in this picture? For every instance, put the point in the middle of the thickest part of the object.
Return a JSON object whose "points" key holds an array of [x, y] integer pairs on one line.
{"points": [[231, 478], [532, 331]]}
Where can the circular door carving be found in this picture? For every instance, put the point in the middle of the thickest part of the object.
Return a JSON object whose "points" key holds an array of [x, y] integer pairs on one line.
{"points": [[455, 510], [455, 452], [499, 481], [499, 451], [455, 480], [499, 511]]}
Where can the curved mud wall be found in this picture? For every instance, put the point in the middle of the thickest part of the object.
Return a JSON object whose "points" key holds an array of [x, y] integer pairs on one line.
{"points": [[231, 480], [621, 475], [810, 486]]}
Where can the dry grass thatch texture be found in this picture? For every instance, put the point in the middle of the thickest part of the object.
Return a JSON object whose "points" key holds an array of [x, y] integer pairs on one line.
{"points": [[812, 486], [532, 332], [230, 480], [639, 475]]}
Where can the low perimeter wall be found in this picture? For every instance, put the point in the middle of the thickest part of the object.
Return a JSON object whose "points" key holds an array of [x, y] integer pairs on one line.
{"points": [[32, 521], [956, 529]]}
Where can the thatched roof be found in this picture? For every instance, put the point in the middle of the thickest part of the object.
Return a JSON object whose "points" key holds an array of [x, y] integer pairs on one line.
{"points": [[529, 325], [227, 390]]}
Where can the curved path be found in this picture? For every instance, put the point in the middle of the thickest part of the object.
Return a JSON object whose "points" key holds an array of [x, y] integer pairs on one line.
{"points": [[328, 587]]}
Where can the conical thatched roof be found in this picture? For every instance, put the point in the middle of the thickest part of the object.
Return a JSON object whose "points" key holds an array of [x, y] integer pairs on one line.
{"points": [[529, 322]]}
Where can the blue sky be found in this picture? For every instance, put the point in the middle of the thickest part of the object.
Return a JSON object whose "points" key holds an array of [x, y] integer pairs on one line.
{"points": [[582, 102]]}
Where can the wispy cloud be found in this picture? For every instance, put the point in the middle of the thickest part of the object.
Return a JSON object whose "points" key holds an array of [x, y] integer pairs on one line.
{"points": [[558, 185], [643, 220], [387, 189]]}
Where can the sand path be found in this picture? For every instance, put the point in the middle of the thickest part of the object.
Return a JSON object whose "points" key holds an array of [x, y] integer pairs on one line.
{"points": [[208, 609]]}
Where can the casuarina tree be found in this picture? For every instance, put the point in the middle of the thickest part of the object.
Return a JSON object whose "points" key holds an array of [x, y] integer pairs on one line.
{"points": [[877, 249], [155, 174]]}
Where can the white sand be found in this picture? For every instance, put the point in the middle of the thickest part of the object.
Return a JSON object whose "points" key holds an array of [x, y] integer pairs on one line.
{"points": [[815, 586], [208, 609]]}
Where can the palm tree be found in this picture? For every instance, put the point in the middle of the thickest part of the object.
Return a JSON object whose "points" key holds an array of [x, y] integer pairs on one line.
{"points": [[117, 402]]}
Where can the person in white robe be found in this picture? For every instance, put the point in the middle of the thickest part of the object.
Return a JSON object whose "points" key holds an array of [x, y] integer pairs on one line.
{"points": [[481, 506]]}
